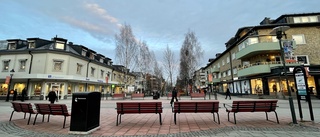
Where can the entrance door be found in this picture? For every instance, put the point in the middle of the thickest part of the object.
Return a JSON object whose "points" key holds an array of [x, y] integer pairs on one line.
{"points": [[56, 87]]}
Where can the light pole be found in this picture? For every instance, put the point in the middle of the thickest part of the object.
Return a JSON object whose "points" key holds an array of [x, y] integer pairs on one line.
{"points": [[11, 75], [279, 32]]}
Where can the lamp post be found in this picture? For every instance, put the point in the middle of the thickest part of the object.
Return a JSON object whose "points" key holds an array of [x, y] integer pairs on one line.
{"points": [[11, 75], [279, 32]]}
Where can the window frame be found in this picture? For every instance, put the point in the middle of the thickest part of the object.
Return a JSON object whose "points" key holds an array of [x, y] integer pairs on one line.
{"points": [[6, 64], [56, 63], [79, 68], [303, 38], [22, 64]]}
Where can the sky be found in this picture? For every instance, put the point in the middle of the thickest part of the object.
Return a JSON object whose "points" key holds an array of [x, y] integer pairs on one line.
{"points": [[94, 23]]}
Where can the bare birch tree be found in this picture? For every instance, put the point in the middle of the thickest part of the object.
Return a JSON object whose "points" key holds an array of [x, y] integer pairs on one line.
{"points": [[144, 61], [190, 55], [126, 49], [169, 64]]}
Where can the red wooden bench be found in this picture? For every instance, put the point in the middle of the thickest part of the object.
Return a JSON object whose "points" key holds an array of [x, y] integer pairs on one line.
{"points": [[169, 95], [198, 95], [141, 95], [252, 106], [196, 107], [138, 108], [118, 95], [52, 109], [23, 107]]}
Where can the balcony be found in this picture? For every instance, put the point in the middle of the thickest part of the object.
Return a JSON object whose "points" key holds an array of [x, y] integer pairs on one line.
{"points": [[262, 67], [259, 48], [215, 70]]}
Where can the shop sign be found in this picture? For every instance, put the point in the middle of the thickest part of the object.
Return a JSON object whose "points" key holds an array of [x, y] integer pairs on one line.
{"points": [[301, 85]]}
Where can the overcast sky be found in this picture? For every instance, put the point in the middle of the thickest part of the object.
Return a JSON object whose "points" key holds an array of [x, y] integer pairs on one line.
{"points": [[93, 23]]}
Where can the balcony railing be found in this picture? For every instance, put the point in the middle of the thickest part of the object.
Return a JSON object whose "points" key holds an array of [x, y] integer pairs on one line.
{"points": [[263, 67]]}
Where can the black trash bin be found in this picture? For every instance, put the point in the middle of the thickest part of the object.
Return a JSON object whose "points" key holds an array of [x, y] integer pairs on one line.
{"points": [[85, 112]]}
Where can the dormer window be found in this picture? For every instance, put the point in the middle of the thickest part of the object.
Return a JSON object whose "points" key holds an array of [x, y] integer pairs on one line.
{"points": [[101, 60], [59, 45], [32, 45], [84, 52], [12, 45], [92, 55]]}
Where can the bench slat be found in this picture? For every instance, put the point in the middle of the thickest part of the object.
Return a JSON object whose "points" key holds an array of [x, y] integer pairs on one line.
{"points": [[252, 106]]}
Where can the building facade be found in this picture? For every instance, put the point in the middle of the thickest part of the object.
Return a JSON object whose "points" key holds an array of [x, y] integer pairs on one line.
{"points": [[252, 63], [44, 65]]}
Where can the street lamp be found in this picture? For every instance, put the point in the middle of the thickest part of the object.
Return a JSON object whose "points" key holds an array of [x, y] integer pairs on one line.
{"points": [[8, 94], [279, 32]]}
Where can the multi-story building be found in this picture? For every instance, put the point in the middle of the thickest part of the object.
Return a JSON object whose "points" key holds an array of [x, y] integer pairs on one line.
{"points": [[44, 65], [252, 64]]}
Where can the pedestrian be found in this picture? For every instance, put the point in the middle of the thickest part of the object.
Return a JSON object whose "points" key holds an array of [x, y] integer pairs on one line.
{"points": [[52, 96], [174, 95], [228, 94], [14, 95], [23, 94]]}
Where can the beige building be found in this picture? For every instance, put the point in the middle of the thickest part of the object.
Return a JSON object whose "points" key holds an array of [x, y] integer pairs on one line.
{"points": [[252, 63], [44, 65]]}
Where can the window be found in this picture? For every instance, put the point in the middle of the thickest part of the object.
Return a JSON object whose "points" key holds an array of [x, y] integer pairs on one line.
{"points": [[253, 40], [233, 56], [57, 65], [101, 73], [222, 62], [299, 39], [59, 45], [303, 59], [23, 64], [229, 72], [235, 70], [6, 65], [79, 68], [228, 59], [274, 39], [305, 19], [32, 45], [84, 52], [92, 71], [224, 74], [218, 65], [12, 45]]}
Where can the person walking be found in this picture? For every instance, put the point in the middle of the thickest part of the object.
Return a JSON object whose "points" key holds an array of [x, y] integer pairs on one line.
{"points": [[23, 94], [14, 95], [52, 96], [228, 94], [174, 95]]}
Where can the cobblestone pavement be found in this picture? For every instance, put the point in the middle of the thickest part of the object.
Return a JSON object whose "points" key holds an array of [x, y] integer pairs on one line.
{"points": [[258, 127]]}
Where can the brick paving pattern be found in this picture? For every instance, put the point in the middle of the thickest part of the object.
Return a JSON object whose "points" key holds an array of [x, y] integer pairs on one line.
{"points": [[188, 124]]}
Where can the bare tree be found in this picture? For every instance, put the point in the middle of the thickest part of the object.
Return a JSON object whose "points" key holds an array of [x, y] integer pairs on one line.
{"points": [[144, 61], [169, 64], [126, 49], [190, 55]]}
